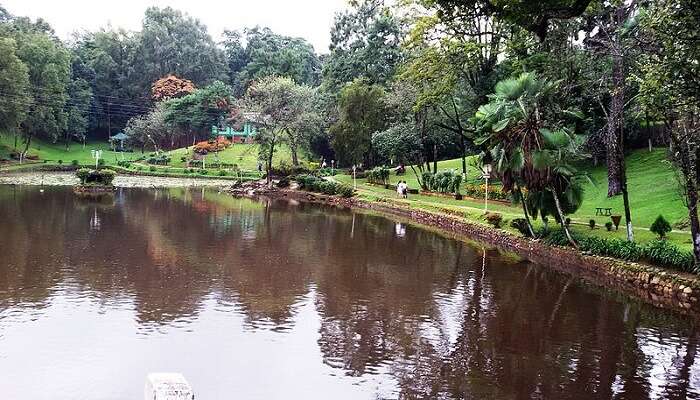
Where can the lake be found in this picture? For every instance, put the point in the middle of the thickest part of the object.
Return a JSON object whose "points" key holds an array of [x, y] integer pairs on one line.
{"points": [[285, 300]]}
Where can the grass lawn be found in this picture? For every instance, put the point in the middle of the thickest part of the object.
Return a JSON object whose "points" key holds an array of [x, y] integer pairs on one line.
{"points": [[652, 186], [52, 153], [245, 155]]}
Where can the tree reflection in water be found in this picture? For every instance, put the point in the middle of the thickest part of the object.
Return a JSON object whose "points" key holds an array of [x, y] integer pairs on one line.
{"points": [[441, 318]]}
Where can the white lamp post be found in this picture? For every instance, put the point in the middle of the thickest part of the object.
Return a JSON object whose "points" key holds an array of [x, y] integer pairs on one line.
{"points": [[354, 177], [487, 175], [332, 167]]}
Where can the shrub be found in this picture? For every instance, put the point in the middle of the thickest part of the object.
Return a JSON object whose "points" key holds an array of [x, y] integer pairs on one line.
{"points": [[521, 225], [222, 173], [139, 168], [346, 191], [74, 163], [591, 223], [60, 162], [212, 146], [315, 184], [609, 226], [660, 227], [101, 162], [567, 221], [663, 253], [152, 168], [95, 177], [283, 182], [442, 182], [479, 191], [378, 175], [494, 219], [162, 159], [203, 172]]}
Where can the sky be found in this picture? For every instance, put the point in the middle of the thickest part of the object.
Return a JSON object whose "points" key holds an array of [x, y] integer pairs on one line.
{"points": [[310, 19]]}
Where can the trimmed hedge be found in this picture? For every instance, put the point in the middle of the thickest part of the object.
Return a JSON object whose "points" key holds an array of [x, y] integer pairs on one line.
{"points": [[657, 252], [315, 184]]}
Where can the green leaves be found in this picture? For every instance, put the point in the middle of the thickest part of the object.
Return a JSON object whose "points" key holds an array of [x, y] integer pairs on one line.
{"points": [[500, 125]]}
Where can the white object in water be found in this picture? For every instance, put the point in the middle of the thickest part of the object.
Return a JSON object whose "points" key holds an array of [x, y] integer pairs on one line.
{"points": [[167, 386]]}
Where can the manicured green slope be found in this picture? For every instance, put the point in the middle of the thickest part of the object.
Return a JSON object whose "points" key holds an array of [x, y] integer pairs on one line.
{"points": [[52, 153], [653, 191]]}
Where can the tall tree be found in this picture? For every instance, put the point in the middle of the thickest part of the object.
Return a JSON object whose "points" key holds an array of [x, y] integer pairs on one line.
{"points": [[48, 63], [14, 87], [175, 43], [535, 16], [276, 105], [530, 140], [365, 43], [361, 113], [612, 40], [670, 89]]}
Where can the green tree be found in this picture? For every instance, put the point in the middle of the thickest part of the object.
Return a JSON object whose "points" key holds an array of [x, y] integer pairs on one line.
{"points": [[268, 54], [149, 129], [660, 226], [365, 43], [193, 115], [361, 113], [48, 63], [15, 99], [175, 43], [276, 105], [78, 109], [531, 145], [670, 89], [535, 16]]}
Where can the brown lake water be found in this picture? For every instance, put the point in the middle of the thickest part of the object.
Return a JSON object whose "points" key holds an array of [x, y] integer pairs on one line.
{"points": [[280, 300]]}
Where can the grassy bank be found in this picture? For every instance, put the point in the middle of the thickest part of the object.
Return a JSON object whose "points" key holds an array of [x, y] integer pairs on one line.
{"points": [[652, 186], [243, 155]]}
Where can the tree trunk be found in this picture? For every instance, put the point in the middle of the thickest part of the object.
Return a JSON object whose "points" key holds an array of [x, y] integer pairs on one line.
{"points": [[628, 214], [269, 163], [526, 212], [561, 219], [613, 140], [26, 149], [435, 157], [464, 157], [295, 159], [694, 222]]}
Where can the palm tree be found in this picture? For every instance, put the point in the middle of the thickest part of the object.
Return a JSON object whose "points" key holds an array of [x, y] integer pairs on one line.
{"points": [[526, 134]]}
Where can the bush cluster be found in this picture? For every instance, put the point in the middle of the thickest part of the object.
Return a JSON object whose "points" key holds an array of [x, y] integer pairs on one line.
{"points": [[124, 163], [658, 252], [285, 169], [212, 164], [479, 191], [443, 182], [160, 159], [494, 219], [95, 177], [378, 175], [315, 184], [212, 146]]}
